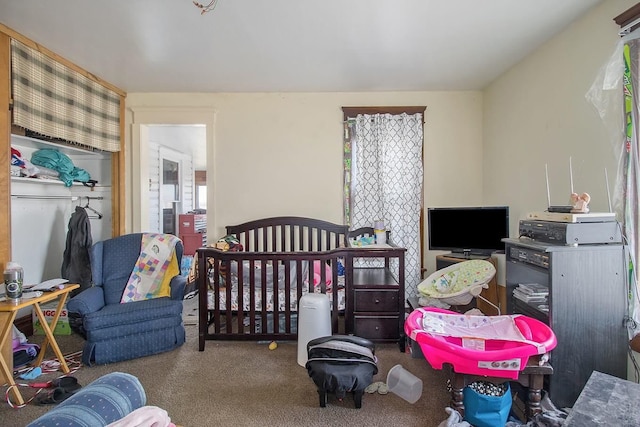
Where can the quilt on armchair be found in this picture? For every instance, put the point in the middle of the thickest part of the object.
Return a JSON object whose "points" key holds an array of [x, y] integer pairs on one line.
{"points": [[116, 330]]}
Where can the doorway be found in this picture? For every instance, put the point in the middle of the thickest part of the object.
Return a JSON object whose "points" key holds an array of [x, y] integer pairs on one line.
{"points": [[176, 154], [170, 194], [148, 123]]}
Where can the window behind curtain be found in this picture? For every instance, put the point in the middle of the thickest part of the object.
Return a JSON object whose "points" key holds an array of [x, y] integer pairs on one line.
{"points": [[383, 178]]}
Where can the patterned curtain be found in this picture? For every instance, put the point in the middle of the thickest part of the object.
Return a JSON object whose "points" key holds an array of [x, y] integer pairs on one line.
{"points": [[620, 78], [383, 181], [54, 100], [629, 173]]}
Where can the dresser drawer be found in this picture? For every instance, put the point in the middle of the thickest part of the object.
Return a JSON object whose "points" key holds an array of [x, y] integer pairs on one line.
{"points": [[376, 300], [373, 277], [377, 328]]}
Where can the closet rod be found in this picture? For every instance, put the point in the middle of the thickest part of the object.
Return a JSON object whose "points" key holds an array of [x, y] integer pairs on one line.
{"points": [[32, 196]]}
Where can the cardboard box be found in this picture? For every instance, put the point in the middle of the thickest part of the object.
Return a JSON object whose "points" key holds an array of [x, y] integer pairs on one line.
{"points": [[49, 310]]}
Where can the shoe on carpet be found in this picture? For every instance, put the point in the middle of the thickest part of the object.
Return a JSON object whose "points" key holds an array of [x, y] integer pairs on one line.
{"points": [[54, 396], [383, 389], [69, 384], [378, 386], [373, 387]]}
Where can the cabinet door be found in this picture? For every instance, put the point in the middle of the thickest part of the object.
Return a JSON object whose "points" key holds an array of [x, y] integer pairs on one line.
{"points": [[588, 308]]}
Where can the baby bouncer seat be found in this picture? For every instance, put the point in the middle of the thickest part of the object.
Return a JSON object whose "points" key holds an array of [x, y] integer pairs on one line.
{"points": [[458, 283], [340, 364]]}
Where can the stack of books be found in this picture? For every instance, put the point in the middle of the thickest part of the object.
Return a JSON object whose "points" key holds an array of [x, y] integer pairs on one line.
{"points": [[532, 293]]}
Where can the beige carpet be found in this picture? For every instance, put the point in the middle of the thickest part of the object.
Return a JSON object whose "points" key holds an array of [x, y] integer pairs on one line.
{"points": [[246, 384]]}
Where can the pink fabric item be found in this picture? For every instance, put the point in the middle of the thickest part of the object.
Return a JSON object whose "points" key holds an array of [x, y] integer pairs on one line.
{"points": [[146, 416], [317, 273]]}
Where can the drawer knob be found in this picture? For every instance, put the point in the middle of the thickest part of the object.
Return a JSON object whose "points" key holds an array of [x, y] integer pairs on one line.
{"points": [[377, 301]]}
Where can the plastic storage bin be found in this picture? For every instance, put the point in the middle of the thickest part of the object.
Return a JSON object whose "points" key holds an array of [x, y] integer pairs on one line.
{"points": [[404, 384]]}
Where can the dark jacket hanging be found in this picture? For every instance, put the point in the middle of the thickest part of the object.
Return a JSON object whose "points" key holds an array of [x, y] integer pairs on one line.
{"points": [[76, 265]]}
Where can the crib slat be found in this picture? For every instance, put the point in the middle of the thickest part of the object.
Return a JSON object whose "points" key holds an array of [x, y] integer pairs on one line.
{"points": [[240, 314], [228, 309], [296, 232], [284, 239], [276, 295], [263, 292], [252, 295]]}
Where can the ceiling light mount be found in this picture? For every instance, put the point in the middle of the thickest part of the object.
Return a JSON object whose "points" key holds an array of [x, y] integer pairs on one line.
{"points": [[204, 8]]}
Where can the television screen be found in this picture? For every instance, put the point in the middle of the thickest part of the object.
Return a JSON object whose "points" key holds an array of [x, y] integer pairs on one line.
{"points": [[469, 230]]}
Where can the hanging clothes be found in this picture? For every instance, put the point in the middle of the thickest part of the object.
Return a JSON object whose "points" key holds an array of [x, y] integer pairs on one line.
{"points": [[76, 264]]}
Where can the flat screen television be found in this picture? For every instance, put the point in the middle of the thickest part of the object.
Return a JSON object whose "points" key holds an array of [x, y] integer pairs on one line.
{"points": [[468, 230]]}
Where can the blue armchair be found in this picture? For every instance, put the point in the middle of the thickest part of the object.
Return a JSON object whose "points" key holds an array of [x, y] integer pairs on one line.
{"points": [[115, 331]]}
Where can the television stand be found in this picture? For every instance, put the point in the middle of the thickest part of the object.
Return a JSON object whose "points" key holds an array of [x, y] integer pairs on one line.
{"points": [[464, 256]]}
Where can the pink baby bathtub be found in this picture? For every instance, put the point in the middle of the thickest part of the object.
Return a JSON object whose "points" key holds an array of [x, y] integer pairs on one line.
{"points": [[496, 346]]}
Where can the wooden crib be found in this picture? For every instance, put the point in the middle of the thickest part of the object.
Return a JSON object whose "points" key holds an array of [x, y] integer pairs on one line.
{"points": [[253, 294]]}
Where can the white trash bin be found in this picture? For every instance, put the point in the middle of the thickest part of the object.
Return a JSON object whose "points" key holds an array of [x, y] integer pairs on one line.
{"points": [[314, 321]]}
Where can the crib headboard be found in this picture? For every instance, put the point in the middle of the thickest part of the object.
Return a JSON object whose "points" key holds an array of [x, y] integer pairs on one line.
{"points": [[289, 234]]}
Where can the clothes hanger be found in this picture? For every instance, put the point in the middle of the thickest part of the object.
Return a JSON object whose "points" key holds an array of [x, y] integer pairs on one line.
{"points": [[87, 207]]}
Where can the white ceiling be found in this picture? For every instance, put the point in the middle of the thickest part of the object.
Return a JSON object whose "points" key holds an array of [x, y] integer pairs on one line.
{"points": [[293, 45]]}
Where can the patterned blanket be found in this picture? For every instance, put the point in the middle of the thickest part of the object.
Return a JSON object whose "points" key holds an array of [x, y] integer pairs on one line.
{"points": [[154, 269]]}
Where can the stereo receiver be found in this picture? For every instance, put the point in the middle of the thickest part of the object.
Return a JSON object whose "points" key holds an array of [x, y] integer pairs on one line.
{"points": [[571, 233]]}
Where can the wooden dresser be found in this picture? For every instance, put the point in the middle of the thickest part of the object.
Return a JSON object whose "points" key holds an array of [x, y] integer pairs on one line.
{"points": [[375, 294]]}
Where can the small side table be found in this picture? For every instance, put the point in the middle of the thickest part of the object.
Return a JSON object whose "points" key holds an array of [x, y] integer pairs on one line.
{"points": [[532, 376], [8, 312]]}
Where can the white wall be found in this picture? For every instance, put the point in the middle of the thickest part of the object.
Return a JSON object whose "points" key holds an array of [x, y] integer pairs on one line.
{"points": [[281, 154], [537, 114]]}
